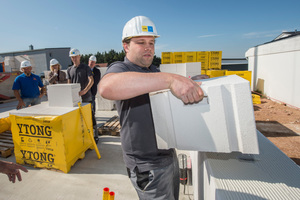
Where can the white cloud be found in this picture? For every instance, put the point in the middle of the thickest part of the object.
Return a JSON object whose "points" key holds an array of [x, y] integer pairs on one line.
{"points": [[205, 36]]}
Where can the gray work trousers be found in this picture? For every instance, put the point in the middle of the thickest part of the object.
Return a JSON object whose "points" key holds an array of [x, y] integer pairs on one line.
{"points": [[157, 184]]}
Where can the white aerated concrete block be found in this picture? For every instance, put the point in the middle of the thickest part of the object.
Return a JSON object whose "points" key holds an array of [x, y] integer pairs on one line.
{"points": [[63, 95], [184, 69], [222, 122]]}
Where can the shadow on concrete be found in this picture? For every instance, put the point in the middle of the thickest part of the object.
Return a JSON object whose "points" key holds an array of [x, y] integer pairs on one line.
{"points": [[274, 129]]}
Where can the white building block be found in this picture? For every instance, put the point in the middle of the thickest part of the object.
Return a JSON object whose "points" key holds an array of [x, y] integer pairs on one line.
{"points": [[184, 69], [103, 104], [222, 122], [63, 95]]}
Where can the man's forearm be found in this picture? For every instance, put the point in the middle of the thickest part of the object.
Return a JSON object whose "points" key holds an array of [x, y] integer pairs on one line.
{"points": [[17, 95], [90, 84]]}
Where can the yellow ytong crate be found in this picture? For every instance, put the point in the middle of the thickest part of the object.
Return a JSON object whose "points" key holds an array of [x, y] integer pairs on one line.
{"points": [[190, 56], [256, 99], [215, 59], [215, 73], [166, 57], [203, 71], [52, 142], [4, 124], [203, 57], [244, 74], [179, 57], [215, 65]]}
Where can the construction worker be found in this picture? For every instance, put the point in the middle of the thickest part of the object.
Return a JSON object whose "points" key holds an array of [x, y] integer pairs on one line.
{"points": [[81, 73], [153, 172], [12, 170], [30, 85], [96, 76], [56, 75]]}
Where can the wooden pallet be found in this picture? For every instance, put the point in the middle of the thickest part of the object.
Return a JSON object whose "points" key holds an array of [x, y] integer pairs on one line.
{"points": [[111, 127], [6, 144]]}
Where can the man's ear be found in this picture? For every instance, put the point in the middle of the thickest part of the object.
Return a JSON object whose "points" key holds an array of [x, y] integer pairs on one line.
{"points": [[125, 46]]}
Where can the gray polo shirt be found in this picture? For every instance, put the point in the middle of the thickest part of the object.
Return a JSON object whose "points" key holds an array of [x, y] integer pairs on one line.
{"points": [[80, 75], [137, 132]]}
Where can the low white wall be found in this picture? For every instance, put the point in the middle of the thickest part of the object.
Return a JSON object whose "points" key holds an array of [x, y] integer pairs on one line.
{"points": [[275, 69]]}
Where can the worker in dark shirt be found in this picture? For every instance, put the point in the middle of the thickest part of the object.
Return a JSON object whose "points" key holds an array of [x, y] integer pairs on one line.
{"points": [[97, 77], [153, 172]]}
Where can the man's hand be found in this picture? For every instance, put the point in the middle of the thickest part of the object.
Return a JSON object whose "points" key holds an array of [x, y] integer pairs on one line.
{"points": [[21, 104], [186, 89], [12, 170], [82, 92]]}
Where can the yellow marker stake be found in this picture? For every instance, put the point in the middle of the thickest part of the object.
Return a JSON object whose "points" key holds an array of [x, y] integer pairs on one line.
{"points": [[111, 196], [105, 193], [90, 133]]}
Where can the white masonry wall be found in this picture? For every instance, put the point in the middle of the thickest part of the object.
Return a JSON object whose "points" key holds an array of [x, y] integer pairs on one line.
{"points": [[269, 175], [275, 69], [222, 122]]}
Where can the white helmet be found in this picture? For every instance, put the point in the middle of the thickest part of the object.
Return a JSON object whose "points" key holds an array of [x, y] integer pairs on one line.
{"points": [[53, 62], [139, 26], [93, 58], [74, 52], [25, 63]]}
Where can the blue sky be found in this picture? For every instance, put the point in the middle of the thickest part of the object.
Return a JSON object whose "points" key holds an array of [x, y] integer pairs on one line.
{"points": [[191, 25]]}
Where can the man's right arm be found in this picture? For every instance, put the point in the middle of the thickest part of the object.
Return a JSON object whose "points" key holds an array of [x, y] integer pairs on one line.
{"points": [[126, 85], [18, 97]]}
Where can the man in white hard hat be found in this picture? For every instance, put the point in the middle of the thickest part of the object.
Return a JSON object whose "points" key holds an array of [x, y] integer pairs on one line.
{"points": [[56, 75], [81, 73], [97, 77], [153, 172], [30, 85]]}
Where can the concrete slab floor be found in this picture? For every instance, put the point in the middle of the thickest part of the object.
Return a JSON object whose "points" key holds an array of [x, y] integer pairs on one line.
{"points": [[86, 179]]}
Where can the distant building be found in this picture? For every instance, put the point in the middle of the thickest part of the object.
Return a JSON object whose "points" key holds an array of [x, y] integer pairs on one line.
{"points": [[275, 68], [235, 64], [39, 58]]}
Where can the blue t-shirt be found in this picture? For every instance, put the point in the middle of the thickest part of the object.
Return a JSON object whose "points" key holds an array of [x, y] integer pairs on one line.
{"points": [[28, 85]]}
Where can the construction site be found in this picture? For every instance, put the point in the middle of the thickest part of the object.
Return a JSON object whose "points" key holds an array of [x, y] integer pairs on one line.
{"points": [[226, 147]]}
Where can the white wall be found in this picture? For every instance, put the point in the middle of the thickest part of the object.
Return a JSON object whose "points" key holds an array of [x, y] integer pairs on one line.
{"points": [[276, 69]]}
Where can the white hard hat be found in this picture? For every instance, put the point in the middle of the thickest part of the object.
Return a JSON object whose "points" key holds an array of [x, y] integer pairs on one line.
{"points": [[74, 52], [25, 63], [139, 26], [53, 62], [93, 58]]}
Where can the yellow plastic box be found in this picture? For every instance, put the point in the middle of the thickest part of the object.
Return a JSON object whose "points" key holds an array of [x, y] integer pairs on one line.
{"points": [[179, 57], [166, 57], [256, 99], [215, 59], [55, 140], [244, 74], [215, 73], [190, 56], [202, 56]]}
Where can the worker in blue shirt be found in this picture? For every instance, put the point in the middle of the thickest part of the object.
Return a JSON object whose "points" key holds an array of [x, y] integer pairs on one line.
{"points": [[30, 86]]}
